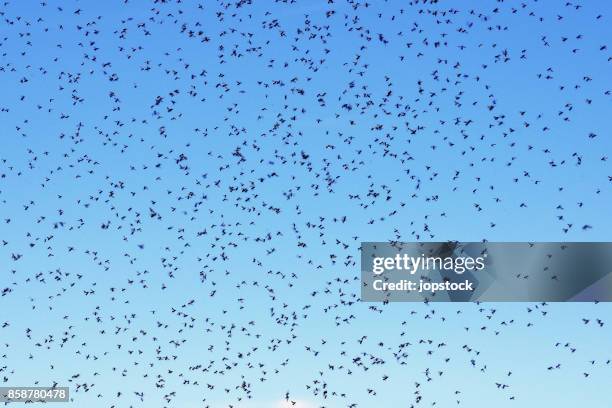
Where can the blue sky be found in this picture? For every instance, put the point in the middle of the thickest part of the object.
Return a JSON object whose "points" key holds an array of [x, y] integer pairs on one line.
{"points": [[83, 134]]}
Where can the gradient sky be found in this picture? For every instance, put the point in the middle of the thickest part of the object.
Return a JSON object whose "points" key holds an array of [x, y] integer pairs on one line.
{"points": [[68, 144]]}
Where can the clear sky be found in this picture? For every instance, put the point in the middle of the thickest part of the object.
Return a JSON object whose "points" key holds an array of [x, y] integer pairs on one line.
{"points": [[184, 188]]}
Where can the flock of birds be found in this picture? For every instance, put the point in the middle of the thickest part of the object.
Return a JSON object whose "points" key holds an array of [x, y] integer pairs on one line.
{"points": [[184, 187]]}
